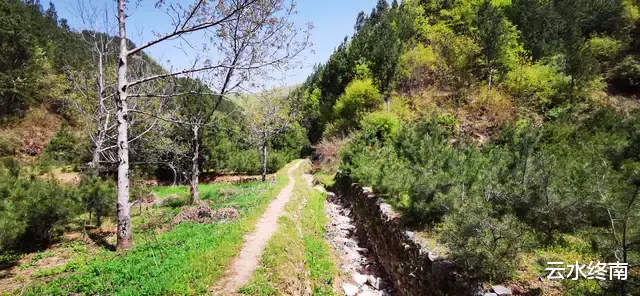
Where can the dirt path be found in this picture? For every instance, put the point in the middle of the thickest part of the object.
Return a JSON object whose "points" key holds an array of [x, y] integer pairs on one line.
{"points": [[248, 260]]}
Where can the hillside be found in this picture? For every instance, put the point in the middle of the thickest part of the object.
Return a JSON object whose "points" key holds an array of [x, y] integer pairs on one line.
{"points": [[501, 136], [505, 131]]}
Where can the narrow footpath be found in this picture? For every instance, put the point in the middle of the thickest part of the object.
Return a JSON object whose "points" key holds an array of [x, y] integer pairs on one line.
{"points": [[248, 260]]}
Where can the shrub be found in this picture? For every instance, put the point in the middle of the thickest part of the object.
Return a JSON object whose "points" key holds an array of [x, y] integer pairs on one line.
{"points": [[380, 126], [535, 84], [360, 97], [9, 144], [98, 197], [329, 154], [626, 75], [31, 209], [66, 148], [484, 245]]}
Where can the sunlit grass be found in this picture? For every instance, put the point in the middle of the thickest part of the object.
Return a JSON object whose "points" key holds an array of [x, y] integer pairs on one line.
{"points": [[297, 256], [184, 261]]}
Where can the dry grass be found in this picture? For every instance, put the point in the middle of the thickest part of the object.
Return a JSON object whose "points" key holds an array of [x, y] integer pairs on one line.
{"points": [[478, 111], [32, 134], [329, 154]]}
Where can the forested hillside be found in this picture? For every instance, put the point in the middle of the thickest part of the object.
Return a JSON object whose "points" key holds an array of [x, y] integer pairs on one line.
{"points": [[507, 131]]}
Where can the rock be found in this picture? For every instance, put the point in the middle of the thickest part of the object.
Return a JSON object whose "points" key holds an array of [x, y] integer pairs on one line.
{"points": [[490, 294], [501, 290], [349, 289], [366, 293], [360, 279], [377, 283]]}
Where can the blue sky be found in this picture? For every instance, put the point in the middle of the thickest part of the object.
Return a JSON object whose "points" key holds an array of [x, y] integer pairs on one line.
{"points": [[332, 21]]}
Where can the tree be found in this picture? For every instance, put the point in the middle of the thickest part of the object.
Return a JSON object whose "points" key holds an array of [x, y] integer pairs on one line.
{"points": [[269, 114], [247, 37], [493, 32], [195, 109]]}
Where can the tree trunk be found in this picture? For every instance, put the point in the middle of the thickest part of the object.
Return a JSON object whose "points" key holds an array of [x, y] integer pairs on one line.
{"points": [[264, 159], [125, 237], [175, 174], [102, 122], [490, 79], [195, 170]]}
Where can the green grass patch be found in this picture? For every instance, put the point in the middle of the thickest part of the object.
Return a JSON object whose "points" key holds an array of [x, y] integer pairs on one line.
{"points": [[297, 256], [325, 178], [184, 261]]}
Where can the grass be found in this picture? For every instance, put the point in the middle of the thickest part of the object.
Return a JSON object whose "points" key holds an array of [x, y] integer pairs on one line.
{"points": [[297, 258], [325, 178], [185, 261]]}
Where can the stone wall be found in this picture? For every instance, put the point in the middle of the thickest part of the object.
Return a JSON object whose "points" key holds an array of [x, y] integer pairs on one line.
{"points": [[412, 268]]}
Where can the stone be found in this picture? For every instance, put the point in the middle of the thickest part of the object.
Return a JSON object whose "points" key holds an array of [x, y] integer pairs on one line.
{"points": [[349, 289], [360, 279], [501, 290], [366, 293], [377, 282]]}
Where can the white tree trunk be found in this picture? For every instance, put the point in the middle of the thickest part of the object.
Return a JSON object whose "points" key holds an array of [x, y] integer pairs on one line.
{"points": [[264, 158], [175, 173], [195, 170], [125, 237]]}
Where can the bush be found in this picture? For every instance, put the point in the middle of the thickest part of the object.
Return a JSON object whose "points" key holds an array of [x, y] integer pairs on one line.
{"points": [[380, 126], [537, 85], [537, 182], [66, 148], [360, 97], [98, 197], [31, 209], [485, 246], [626, 75], [9, 144]]}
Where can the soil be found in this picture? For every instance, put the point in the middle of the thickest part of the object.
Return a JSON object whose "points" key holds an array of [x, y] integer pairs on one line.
{"points": [[248, 259]]}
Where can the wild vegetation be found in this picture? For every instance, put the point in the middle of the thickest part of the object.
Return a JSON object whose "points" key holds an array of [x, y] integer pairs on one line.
{"points": [[79, 145], [505, 130]]}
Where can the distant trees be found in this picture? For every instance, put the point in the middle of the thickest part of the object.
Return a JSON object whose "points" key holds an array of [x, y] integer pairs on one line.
{"points": [[269, 113]]}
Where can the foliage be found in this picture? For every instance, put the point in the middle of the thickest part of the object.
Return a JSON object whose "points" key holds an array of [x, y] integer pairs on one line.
{"points": [[520, 192], [537, 85], [626, 75], [184, 261], [360, 96], [380, 126], [66, 148], [98, 197], [32, 209]]}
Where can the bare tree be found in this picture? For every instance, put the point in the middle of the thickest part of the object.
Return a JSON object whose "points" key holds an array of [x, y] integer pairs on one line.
{"points": [[94, 84], [269, 113], [249, 38]]}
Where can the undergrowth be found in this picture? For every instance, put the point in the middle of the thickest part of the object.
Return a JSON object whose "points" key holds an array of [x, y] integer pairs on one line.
{"points": [[184, 261]]}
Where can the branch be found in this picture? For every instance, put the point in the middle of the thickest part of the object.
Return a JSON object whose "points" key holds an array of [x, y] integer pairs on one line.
{"points": [[194, 28]]}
